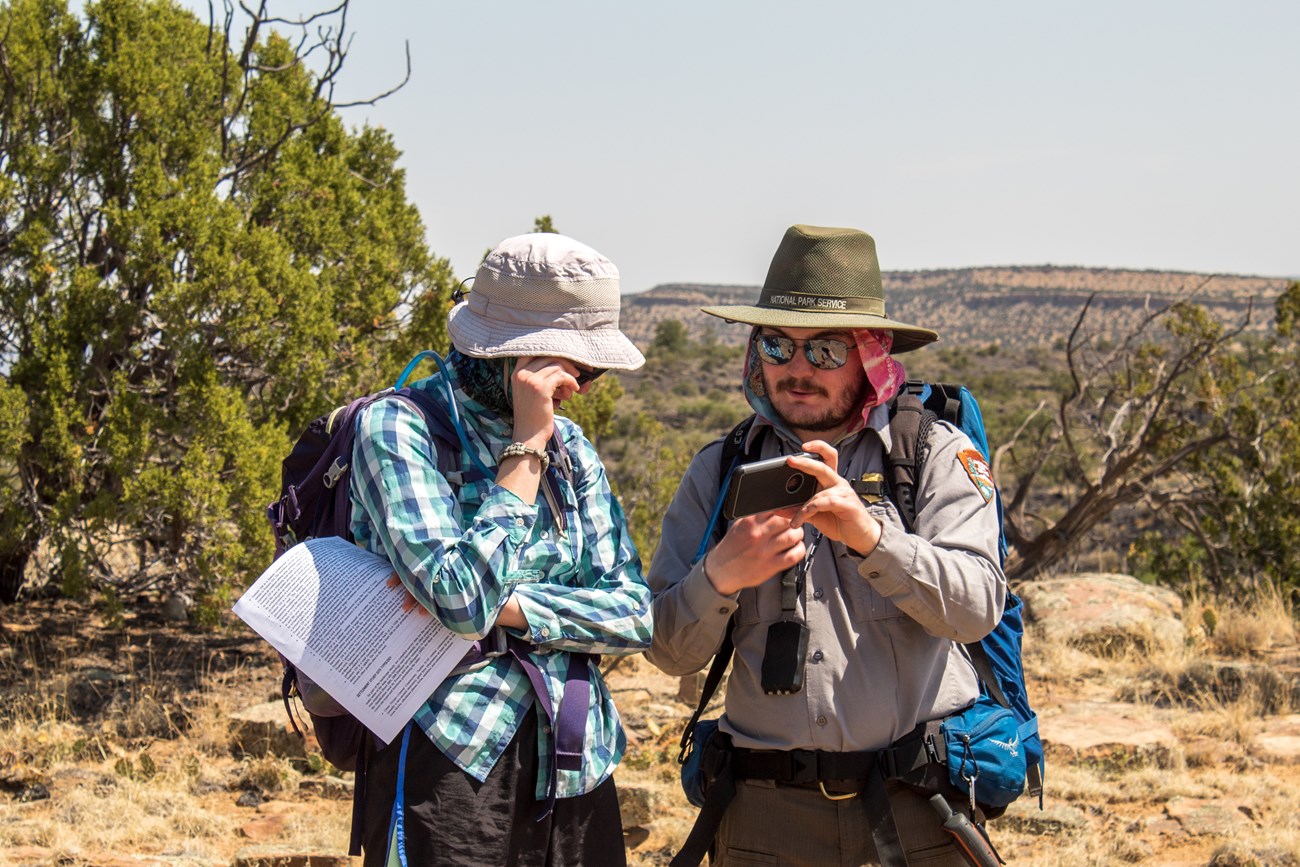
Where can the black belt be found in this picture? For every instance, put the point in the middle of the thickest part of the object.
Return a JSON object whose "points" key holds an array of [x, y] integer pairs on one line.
{"points": [[913, 751], [912, 758]]}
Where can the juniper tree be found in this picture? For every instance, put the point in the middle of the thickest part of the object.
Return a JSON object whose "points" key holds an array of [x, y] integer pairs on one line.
{"points": [[196, 257]]}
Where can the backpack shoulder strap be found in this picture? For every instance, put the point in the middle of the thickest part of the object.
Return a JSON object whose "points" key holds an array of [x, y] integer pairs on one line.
{"points": [[733, 450], [442, 430], [721, 660], [733, 455], [909, 445]]}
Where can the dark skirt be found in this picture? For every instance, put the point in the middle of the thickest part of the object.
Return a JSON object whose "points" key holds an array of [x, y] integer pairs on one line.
{"points": [[454, 820]]}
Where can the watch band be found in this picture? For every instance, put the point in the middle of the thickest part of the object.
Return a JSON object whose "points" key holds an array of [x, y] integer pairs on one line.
{"points": [[518, 449]]}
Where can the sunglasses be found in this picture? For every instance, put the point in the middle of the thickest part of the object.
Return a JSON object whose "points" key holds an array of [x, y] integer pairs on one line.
{"points": [[823, 353], [586, 376]]}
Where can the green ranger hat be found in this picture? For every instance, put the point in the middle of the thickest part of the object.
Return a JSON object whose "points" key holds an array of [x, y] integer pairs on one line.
{"points": [[825, 278]]}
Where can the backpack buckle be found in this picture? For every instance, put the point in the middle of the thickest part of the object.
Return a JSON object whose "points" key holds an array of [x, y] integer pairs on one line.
{"points": [[871, 487], [335, 471]]}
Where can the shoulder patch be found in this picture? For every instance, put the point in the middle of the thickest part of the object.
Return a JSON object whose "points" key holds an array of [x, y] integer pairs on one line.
{"points": [[978, 470]]}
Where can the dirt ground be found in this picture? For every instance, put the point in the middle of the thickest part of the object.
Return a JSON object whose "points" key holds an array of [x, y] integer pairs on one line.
{"points": [[115, 750]]}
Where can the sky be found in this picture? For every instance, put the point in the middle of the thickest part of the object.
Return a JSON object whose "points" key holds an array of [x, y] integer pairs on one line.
{"points": [[680, 139]]}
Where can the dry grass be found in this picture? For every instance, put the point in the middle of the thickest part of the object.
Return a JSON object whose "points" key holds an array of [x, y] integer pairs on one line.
{"points": [[1245, 628], [153, 774]]}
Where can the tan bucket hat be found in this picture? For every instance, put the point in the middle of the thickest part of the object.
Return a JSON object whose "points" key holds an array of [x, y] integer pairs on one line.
{"points": [[544, 294], [825, 278]]}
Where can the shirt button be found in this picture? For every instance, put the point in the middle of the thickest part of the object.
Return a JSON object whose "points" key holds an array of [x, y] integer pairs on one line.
{"points": [[817, 594], [817, 656], [546, 534], [874, 575], [821, 720], [723, 611], [546, 631], [519, 522]]}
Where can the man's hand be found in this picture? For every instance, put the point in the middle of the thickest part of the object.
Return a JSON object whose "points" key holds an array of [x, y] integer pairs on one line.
{"points": [[754, 550], [537, 387], [835, 510]]}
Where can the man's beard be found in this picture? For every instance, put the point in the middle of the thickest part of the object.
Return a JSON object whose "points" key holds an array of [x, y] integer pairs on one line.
{"points": [[837, 416]]}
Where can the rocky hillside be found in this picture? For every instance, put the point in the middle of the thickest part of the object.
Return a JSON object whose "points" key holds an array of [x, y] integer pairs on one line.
{"points": [[1014, 306]]}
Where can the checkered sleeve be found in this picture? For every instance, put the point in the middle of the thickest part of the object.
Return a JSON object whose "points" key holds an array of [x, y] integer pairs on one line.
{"points": [[608, 611], [460, 573]]}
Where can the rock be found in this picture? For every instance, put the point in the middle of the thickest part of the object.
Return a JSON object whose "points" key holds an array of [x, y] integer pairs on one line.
{"points": [[1229, 681], [176, 608], [263, 729], [1238, 855], [329, 787], [91, 690], [249, 798], [1110, 733], [264, 828], [637, 805], [1106, 614], [33, 792], [21, 856], [1024, 817], [281, 857], [1201, 817], [1279, 741], [19, 779], [633, 837]]}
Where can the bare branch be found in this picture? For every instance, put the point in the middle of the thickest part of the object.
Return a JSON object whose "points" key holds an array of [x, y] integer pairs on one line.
{"points": [[386, 93]]}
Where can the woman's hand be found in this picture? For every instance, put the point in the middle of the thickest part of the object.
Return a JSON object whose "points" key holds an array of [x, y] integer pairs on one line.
{"points": [[835, 510], [538, 386]]}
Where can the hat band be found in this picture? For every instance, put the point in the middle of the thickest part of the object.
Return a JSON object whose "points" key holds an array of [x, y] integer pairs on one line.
{"points": [[785, 300], [578, 319]]}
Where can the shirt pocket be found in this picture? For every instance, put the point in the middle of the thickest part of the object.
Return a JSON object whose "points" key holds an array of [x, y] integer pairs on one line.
{"points": [[761, 604]]}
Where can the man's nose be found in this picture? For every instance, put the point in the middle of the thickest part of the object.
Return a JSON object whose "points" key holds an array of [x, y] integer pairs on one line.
{"points": [[799, 366]]}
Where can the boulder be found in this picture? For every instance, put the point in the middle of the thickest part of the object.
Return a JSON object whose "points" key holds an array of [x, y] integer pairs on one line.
{"points": [[1113, 734], [263, 729], [1106, 614]]}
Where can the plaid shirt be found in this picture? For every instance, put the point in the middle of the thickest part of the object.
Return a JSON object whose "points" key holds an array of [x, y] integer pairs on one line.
{"points": [[463, 551]]}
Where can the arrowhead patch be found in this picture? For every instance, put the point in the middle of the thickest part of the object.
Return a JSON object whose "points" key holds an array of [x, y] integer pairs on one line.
{"points": [[978, 470]]}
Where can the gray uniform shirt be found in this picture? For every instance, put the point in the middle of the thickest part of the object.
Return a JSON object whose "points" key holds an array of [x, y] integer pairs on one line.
{"points": [[885, 629]]}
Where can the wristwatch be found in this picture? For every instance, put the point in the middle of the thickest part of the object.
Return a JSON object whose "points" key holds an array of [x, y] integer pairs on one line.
{"points": [[519, 449]]}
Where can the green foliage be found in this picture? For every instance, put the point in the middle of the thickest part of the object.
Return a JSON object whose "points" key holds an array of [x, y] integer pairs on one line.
{"points": [[594, 411], [197, 258], [647, 477], [545, 224], [671, 339]]}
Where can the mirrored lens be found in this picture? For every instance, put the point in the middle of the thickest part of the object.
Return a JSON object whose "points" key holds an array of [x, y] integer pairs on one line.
{"points": [[775, 349], [824, 353]]}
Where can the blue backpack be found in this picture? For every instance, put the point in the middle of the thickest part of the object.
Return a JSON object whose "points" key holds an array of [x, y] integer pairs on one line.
{"points": [[992, 750], [983, 740]]}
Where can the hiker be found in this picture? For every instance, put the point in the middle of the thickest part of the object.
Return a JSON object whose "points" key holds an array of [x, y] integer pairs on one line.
{"points": [[541, 568], [882, 610]]}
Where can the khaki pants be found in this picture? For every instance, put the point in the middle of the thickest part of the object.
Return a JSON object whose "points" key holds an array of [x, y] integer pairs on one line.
{"points": [[797, 826]]}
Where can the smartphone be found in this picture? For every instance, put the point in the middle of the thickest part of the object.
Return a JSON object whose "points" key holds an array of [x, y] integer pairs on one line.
{"points": [[766, 485]]}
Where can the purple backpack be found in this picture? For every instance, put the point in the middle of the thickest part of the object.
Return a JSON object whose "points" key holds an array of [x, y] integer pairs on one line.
{"points": [[315, 501]]}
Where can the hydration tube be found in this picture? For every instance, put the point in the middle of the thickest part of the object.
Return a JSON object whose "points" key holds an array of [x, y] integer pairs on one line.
{"points": [[451, 404]]}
